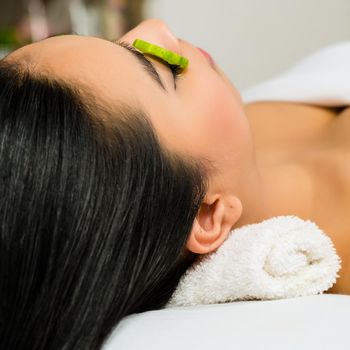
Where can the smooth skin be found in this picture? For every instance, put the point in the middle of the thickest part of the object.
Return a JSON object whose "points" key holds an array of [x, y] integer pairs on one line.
{"points": [[204, 116]]}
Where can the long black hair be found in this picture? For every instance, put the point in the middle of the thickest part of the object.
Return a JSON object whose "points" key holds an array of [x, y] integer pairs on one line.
{"points": [[95, 213]]}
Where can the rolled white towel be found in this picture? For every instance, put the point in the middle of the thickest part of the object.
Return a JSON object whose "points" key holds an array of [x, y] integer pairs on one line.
{"points": [[281, 257]]}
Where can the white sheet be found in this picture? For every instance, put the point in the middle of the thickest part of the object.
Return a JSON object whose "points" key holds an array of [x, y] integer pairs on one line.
{"points": [[322, 78], [318, 322]]}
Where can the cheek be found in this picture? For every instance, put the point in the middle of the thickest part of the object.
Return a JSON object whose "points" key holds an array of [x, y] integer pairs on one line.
{"points": [[207, 122], [223, 120]]}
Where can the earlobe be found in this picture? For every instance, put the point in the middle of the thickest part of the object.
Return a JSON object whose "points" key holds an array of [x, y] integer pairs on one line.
{"points": [[213, 223]]}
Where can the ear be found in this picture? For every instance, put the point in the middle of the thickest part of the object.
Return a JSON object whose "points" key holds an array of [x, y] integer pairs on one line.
{"points": [[215, 219]]}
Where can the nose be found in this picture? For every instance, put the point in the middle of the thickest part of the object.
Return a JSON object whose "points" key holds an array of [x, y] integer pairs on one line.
{"points": [[155, 31]]}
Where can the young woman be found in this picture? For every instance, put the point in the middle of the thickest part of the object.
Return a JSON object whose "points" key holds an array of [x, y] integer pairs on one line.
{"points": [[116, 173]]}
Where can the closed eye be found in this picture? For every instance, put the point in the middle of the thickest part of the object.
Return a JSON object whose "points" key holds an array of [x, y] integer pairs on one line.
{"points": [[175, 70]]}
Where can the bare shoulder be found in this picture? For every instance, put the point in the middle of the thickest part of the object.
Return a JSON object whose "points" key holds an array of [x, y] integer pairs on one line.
{"points": [[282, 124], [341, 127]]}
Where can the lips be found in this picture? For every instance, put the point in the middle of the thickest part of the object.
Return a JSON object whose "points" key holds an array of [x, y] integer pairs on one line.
{"points": [[207, 56]]}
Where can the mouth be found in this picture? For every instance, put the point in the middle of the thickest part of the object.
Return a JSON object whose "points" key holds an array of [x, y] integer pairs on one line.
{"points": [[207, 56]]}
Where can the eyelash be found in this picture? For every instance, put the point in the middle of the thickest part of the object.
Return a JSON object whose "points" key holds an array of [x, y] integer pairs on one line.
{"points": [[175, 70]]}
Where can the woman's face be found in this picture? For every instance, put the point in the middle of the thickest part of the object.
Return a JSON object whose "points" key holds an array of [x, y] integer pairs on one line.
{"points": [[201, 114]]}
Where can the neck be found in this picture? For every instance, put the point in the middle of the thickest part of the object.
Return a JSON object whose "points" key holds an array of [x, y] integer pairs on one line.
{"points": [[277, 188]]}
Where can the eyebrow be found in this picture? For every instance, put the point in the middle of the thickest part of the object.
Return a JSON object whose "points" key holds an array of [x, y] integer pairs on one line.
{"points": [[146, 64]]}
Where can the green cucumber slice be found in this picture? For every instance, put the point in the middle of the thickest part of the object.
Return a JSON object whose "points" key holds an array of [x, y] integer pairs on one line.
{"points": [[166, 55]]}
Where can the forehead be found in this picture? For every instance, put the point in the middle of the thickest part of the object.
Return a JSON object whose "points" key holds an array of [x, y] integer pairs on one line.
{"points": [[65, 50], [98, 63]]}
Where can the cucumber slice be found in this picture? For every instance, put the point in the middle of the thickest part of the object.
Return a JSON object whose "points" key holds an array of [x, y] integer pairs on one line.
{"points": [[168, 56]]}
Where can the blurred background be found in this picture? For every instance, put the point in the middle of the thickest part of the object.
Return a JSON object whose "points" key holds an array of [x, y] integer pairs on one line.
{"points": [[252, 40]]}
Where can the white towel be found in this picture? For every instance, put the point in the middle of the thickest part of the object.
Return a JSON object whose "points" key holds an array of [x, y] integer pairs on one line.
{"points": [[281, 257]]}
